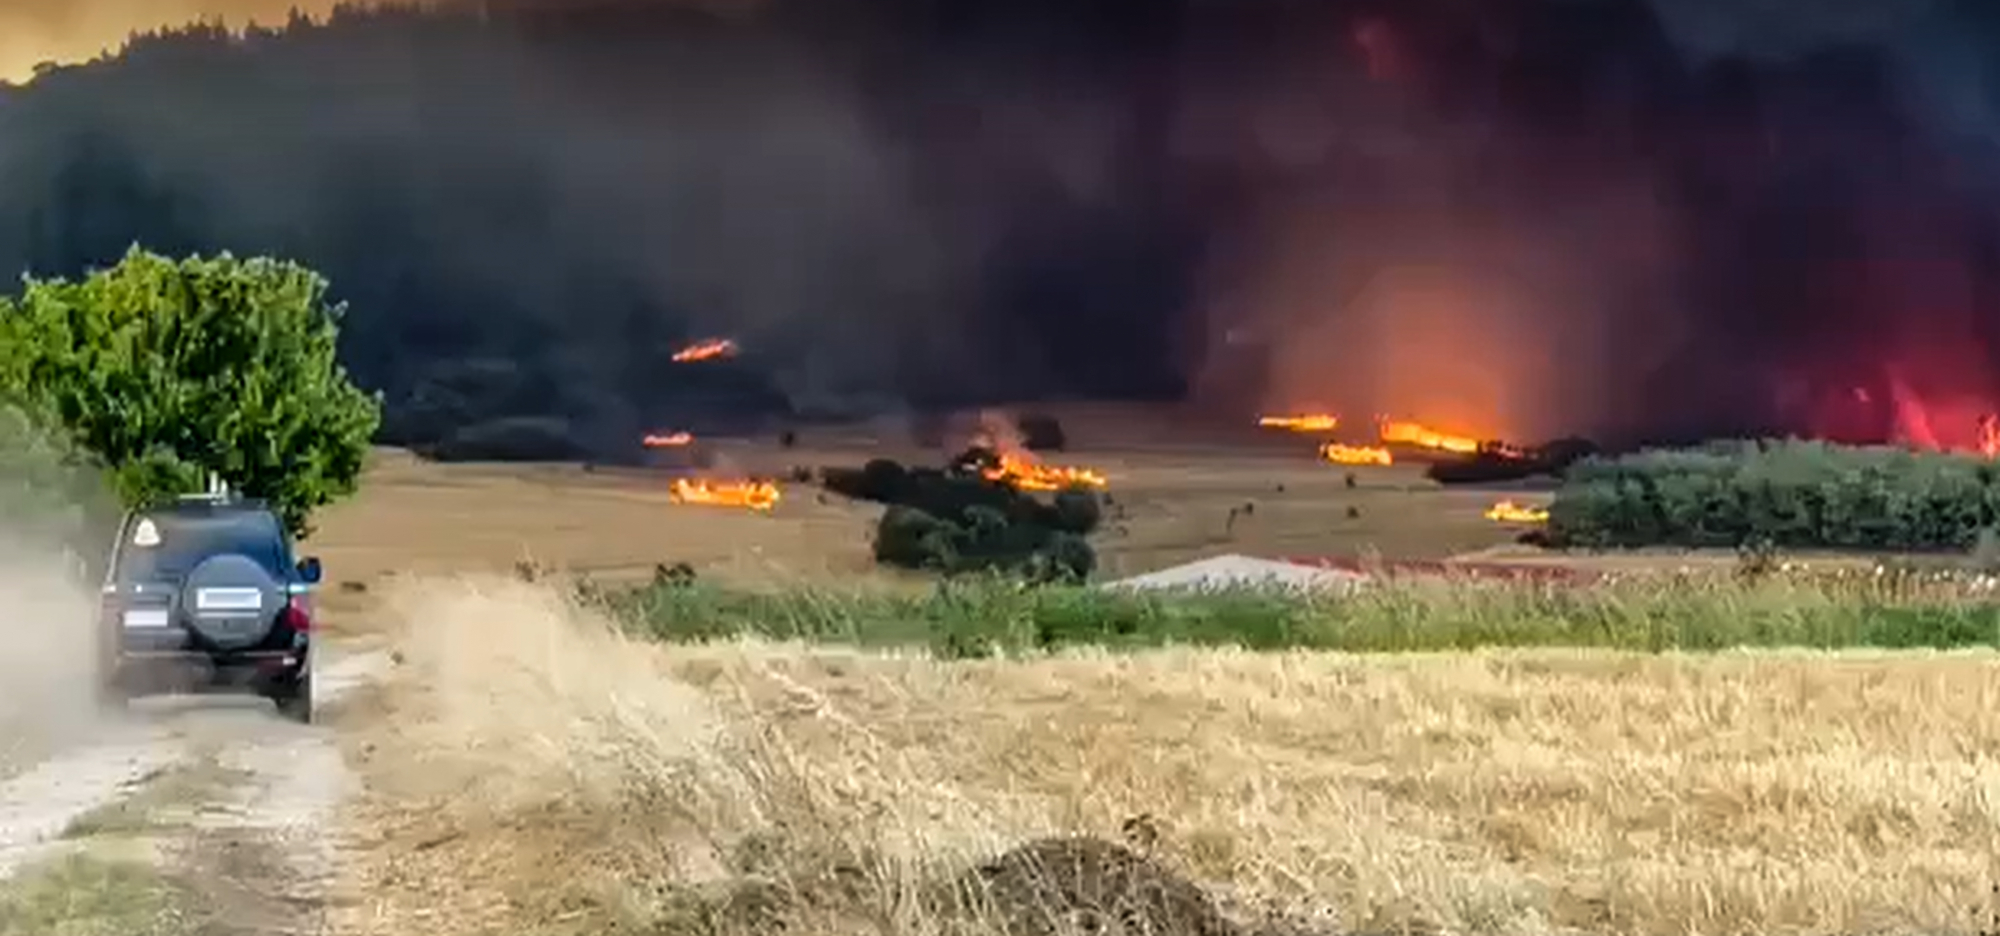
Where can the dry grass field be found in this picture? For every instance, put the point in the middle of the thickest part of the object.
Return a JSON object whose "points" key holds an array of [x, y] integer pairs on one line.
{"points": [[544, 775], [530, 771], [1171, 507]]}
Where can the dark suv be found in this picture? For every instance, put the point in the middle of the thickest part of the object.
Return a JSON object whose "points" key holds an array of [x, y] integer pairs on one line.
{"points": [[204, 594]]}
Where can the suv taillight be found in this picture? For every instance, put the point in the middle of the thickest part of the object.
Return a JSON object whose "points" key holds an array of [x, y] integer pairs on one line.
{"points": [[297, 615]]}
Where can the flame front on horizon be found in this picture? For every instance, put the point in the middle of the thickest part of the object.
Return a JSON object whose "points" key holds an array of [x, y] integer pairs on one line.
{"points": [[1343, 454], [1508, 511], [754, 495], [708, 350], [1313, 422], [1030, 475], [1422, 436]]}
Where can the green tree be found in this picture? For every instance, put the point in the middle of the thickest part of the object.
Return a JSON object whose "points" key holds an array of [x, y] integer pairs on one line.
{"points": [[167, 370]]}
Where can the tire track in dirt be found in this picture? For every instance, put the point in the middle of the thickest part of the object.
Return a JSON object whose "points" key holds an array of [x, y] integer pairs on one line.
{"points": [[255, 847], [39, 804]]}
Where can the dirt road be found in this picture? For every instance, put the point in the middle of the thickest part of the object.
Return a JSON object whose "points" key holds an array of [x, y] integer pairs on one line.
{"points": [[187, 816]]}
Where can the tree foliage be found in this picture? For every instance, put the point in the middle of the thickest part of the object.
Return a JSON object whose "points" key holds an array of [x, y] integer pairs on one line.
{"points": [[1791, 494], [167, 370]]}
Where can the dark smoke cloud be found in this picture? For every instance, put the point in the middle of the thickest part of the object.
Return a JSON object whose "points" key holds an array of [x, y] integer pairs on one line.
{"points": [[1630, 220], [1521, 217]]}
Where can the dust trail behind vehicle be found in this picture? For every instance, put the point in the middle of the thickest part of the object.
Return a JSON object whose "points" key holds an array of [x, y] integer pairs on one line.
{"points": [[61, 752], [52, 511], [552, 751], [47, 653]]}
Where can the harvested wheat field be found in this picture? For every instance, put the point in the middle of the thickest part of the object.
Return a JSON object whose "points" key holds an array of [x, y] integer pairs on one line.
{"points": [[542, 774], [1170, 506], [531, 768]]}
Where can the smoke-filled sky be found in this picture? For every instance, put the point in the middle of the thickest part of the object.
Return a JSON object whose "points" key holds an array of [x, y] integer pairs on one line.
{"points": [[63, 31], [67, 31], [1676, 218], [1512, 217]]}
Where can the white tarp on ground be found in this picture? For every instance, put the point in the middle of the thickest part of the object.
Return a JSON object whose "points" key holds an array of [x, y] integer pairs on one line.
{"points": [[1234, 571]]}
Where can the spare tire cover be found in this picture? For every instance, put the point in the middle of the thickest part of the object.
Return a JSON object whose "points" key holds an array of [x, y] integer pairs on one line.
{"points": [[231, 601]]}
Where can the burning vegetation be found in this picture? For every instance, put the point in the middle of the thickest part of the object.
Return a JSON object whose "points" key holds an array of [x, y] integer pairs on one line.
{"points": [[1508, 511], [1418, 435], [708, 350], [1453, 457], [1001, 452], [1318, 422], [995, 506], [1023, 470], [753, 495], [738, 492], [1342, 454], [1396, 432]]}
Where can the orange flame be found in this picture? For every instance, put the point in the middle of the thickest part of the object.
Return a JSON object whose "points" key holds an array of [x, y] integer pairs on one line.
{"points": [[706, 350], [755, 495], [1029, 475], [1417, 434], [1013, 464], [1509, 512], [1313, 422], [1341, 454], [670, 440], [1989, 435]]}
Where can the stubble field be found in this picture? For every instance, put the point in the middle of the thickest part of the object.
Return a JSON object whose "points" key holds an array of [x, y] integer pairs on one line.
{"points": [[533, 768], [1171, 506]]}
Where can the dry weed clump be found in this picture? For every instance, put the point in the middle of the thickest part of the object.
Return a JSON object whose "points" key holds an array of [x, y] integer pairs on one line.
{"points": [[728, 798], [751, 788]]}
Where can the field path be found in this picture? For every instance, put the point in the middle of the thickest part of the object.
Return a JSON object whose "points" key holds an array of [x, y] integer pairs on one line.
{"points": [[189, 815]]}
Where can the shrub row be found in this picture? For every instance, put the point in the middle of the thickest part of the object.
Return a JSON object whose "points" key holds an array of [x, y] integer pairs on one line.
{"points": [[1790, 493], [977, 616]]}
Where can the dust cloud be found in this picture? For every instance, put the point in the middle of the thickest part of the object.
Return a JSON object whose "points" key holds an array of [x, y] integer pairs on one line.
{"points": [[520, 717], [47, 657], [528, 695], [48, 639]]}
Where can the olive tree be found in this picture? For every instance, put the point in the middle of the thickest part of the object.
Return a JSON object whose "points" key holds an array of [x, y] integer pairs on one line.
{"points": [[167, 370]]}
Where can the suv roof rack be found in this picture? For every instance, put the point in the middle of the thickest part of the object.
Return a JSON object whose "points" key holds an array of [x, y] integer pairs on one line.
{"points": [[218, 491]]}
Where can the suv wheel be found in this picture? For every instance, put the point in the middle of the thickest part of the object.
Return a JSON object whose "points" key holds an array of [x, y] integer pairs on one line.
{"points": [[111, 694], [295, 698]]}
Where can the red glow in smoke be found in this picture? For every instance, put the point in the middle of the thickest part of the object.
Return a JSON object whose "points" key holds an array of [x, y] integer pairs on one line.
{"points": [[1381, 47], [1908, 413]]}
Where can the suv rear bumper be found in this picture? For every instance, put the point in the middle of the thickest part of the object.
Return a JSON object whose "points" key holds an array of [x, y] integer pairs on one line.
{"points": [[194, 671]]}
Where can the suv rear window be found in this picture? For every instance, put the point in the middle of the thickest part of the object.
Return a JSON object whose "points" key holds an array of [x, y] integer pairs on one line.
{"points": [[181, 541]]}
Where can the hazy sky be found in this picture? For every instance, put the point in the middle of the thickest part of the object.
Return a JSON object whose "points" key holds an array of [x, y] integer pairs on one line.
{"points": [[33, 31]]}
